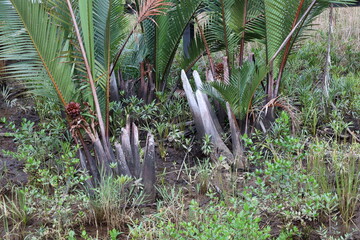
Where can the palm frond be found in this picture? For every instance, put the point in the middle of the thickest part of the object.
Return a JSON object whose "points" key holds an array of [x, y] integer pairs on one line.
{"points": [[150, 8], [196, 50], [225, 27], [31, 37], [168, 35], [87, 27], [111, 28], [220, 29], [240, 89], [281, 16]]}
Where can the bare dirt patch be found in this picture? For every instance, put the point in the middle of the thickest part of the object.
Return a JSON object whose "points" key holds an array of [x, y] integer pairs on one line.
{"points": [[11, 170]]}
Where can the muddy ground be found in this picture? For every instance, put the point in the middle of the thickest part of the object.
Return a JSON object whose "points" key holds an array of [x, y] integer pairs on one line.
{"points": [[11, 170]]}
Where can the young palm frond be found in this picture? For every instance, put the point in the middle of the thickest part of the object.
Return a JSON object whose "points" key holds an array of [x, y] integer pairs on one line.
{"points": [[32, 37], [150, 8], [219, 32], [110, 29], [240, 89], [109, 37]]}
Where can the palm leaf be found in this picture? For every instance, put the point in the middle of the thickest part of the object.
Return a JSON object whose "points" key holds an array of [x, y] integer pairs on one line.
{"points": [[240, 89], [280, 17], [87, 27], [219, 31], [111, 25], [30, 35], [168, 35], [196, 50]]}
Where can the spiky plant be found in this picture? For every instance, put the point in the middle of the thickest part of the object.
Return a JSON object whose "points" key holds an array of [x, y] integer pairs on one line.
{"points": [[162, 34], [67, 50], [277, 24], [239, 90]]}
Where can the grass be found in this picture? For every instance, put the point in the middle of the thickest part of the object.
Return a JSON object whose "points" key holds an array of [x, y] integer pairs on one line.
{"points": [[336, 169], [15, 214]]}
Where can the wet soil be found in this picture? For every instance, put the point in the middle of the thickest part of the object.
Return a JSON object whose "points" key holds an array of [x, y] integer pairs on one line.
{"points": [[11, 170]]}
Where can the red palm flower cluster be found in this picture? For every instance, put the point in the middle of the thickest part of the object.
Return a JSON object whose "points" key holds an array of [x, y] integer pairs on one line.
{"points": [[73, 110], [219, 72], [219, 68]]}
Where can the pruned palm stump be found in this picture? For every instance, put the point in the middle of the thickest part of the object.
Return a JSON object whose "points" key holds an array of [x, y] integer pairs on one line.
{"points": [[206, 122], [99, 159]]}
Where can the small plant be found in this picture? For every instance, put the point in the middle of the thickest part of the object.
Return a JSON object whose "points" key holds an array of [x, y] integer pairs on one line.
{"points": [[162, 130], [217, 220], [114, 201], [338, 125], [319, 166], [114, 234], [6, 95], [207, 146], [203, 175], [347, 181], [15, 213]]}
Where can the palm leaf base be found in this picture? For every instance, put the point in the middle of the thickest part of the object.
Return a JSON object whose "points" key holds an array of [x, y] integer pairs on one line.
{"points": [[206, 122], [123, 160]]}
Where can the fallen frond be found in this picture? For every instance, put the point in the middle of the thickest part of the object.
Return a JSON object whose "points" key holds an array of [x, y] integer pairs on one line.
{"points": [[284, 104]]}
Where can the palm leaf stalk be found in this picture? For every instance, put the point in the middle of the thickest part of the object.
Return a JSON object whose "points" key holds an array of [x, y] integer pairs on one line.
{"points": [[225, 32], [287, 49], [271, 91], [89, 73], [242, 44], [207, 47]]}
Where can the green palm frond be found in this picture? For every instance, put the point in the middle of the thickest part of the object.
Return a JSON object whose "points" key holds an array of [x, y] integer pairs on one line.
{"points": [[30, 37], [196, 50], [169, 35], [87, 27], [255, 30], [163, 38], [321, 5], [225, 26], [110, 24], [280, 16], [219, 30], [59, 11], [240, 89]]}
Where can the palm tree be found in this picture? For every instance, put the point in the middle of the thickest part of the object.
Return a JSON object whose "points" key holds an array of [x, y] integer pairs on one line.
{"points": [[68, 50], [278, 25]]}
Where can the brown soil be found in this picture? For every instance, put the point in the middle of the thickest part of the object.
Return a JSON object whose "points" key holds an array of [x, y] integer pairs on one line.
{"points": [[11, 170]]}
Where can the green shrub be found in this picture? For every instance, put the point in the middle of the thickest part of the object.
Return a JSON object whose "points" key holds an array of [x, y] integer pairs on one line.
{"points": [[236, 220]]}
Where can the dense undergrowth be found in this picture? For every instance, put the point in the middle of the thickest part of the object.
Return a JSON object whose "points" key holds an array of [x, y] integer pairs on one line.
{"points": [[298, 185]]}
